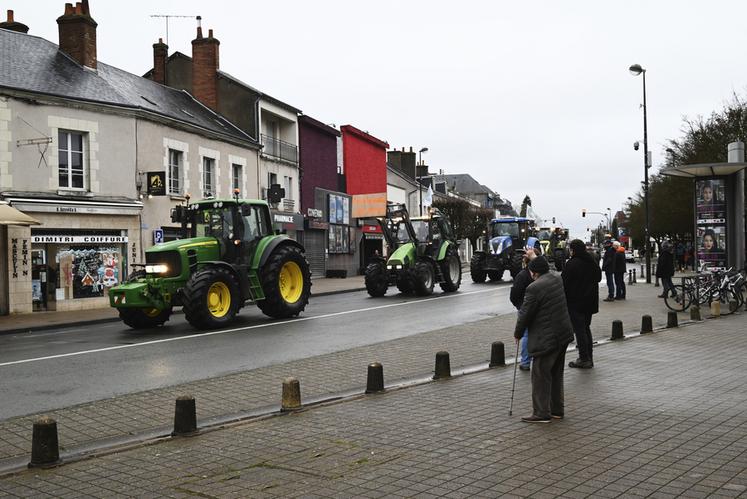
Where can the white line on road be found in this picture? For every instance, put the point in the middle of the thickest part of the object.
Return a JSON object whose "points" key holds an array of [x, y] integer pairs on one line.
{"points": [[256, 326]]}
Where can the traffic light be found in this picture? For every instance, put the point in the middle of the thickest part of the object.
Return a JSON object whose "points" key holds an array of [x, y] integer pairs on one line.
{"points": [[583, 212], [553, 220]]}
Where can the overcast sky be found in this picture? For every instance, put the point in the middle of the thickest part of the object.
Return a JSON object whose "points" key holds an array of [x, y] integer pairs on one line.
{"points": [[527, 97]]}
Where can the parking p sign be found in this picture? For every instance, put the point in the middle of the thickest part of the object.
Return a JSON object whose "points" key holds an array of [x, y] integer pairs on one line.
{"points": [[157, 236]]}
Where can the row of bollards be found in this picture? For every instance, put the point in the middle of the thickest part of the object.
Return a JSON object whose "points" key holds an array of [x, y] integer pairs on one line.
{"points": [[45, 447], [631, 277]]}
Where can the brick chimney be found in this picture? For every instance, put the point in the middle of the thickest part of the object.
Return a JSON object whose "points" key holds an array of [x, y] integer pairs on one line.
{"points": [[12, 25], [205, 69], [160, 54], [78, 33]]}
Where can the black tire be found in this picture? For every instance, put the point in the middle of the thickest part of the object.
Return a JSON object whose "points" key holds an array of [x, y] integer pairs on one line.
{"points": [[451, 268], [377, 280], [515, 265], [476, 270], [495, 275], [680, 302], [275, 305], [425, 276], [143, 318], [727, 296], [202, 288], [404, 285]]}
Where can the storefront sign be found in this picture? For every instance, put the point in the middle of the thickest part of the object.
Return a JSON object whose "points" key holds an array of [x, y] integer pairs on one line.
{"points": [[64, 239], [369, 205], [376, 229], [156, 183], [314, 213], [312, 223], [157, 236], [282, 219], [19, 257], [78, 209]]}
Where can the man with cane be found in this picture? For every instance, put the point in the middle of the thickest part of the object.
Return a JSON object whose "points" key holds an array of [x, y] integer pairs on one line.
{"points": [[544, 314]]}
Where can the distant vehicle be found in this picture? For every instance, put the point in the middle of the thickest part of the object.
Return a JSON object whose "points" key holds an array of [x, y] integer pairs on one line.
{"points": [[504, 243], [629, 256]]}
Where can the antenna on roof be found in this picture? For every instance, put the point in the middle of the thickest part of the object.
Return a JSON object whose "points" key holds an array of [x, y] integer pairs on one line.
{"points": [[170, 16]]}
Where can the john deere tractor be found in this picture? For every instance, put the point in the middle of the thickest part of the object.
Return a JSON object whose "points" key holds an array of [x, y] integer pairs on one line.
{"points": [[423, 252], [230, 257], [504, 243]]}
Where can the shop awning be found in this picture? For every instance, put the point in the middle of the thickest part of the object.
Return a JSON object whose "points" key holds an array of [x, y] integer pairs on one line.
{"points": [[11, 216]]}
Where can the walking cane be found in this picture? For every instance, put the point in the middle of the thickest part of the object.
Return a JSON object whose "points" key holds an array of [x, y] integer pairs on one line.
{"points": [[513, 384]]}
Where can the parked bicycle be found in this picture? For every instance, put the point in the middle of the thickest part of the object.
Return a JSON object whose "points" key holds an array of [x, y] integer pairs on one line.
{"points": [[729, 288]]}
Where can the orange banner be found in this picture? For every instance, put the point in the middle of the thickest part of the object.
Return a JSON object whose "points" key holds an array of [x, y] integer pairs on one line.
{"points": [[369, 205]]}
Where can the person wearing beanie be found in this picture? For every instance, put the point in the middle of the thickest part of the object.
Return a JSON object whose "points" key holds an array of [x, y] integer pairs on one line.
{"points": [[544, 314], [518, 289], [581, 278]]}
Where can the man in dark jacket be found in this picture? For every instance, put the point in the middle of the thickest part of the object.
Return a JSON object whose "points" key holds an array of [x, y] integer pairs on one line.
{"points": [[518, 289], [581, 278], [608, 266], [665, 269], [545, 314], [620, 270]]}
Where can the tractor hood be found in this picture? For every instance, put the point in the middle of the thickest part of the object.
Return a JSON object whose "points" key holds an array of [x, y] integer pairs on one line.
{"points": [[195, 242], [499, 244], [404, 255]]}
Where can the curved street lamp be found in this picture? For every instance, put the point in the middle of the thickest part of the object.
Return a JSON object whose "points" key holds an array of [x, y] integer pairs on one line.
{"points": [[636, 70]]}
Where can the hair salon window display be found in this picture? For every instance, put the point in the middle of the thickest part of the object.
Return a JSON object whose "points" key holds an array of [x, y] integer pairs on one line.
{"points": [[89, 271], [710, 218]]}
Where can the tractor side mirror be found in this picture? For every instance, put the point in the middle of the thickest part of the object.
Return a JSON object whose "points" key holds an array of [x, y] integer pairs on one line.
{"points": [[177, 214]]}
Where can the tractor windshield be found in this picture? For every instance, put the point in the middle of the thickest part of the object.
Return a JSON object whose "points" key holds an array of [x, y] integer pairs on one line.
{"points": [[213, 222], [544, 235], [505, 229], [420, 227], [398, 231]]}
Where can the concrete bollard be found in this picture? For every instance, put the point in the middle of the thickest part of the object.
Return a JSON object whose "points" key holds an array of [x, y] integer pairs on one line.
{"points": [[635, 279], [497, 354], [630, 277], [45, 449], [672, 319], [375, 382], [617, 330], [716, 308], [291, 395], [647, 324], [695, 313], [443, 366], [185, 416]]}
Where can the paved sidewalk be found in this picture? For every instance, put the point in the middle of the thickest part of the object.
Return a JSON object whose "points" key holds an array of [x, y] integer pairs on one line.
{"points": [[661, 415], [38, 321], [320, 376]]}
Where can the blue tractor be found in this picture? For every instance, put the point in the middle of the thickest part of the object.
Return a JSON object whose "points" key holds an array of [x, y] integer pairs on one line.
{"points": [[503, 248]]}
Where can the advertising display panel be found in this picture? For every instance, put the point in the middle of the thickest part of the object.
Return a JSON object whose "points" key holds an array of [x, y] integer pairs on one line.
{"points": [[710, 221]]}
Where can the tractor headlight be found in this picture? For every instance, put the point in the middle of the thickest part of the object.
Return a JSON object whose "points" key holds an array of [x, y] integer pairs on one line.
{"points": [[398, 267], [389, 267], [156, 269]]}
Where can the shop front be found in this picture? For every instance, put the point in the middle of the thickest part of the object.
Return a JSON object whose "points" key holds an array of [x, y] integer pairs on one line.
{"points": [[288, 223], [315, 242], [56, 268], [371, 245]]}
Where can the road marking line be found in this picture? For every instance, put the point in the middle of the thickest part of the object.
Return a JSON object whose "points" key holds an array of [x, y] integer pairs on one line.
{"points": [[256, 326]]}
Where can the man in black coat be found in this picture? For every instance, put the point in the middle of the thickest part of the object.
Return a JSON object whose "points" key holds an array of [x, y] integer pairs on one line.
{"points": [[581, 278], [608, 266], [621, 269], [545, 314], [522, 280], [665, 269]]}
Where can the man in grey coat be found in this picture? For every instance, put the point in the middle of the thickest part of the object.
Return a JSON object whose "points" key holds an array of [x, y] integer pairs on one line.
{"points": [[544, 313]]}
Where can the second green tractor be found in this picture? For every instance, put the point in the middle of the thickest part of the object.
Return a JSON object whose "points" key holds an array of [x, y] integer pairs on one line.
{"points": [[423, 251]]}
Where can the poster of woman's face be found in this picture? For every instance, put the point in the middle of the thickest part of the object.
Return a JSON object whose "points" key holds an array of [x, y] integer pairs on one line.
{"points": [[711, 205], [711, 240]]}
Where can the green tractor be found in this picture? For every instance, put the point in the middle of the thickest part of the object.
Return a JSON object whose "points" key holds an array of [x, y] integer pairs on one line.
{"points": [[423, 252], [230, 256]]}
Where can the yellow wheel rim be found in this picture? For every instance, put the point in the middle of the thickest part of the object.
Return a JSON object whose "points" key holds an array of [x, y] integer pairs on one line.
{"points": [[218, 299], [291, 282], [151, 312]]}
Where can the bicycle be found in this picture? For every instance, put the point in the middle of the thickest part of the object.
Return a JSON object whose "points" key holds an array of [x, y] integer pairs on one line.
{"points": [[724, 287]]}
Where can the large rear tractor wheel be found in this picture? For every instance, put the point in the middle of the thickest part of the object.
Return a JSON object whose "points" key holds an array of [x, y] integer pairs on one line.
{"points": [[476, 270], [451, 268], [144, 318], [377, 280], [425, 277], [286, 281], [211, 298]]}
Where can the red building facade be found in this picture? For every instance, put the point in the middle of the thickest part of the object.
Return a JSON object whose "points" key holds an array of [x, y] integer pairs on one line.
{"points": [[364, 162]]}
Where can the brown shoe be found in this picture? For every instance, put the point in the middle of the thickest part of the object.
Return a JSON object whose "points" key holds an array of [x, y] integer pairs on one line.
{"points": [[535, 419]]}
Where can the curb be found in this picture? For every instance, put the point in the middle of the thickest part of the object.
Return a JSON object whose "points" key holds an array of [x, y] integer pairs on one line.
{"points": [[48, 327]]}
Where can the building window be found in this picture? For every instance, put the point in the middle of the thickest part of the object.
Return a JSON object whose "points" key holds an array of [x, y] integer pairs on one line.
{"points": [[72, 171], [288, 187], [236, 176], [175, 171], [208, 175]]}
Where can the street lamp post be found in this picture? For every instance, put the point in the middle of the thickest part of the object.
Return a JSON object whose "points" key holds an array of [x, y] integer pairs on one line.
{"points": [[636, 70], [419, 177]]}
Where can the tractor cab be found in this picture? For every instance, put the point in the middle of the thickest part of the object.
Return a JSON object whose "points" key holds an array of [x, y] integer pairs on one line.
{"points": [[507, 234], [431, 230], [396, 226]]}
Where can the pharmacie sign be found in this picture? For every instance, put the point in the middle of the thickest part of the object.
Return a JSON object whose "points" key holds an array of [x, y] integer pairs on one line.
{"points": [[62, 239]]}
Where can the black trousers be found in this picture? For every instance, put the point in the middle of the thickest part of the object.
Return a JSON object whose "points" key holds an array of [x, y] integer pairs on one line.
{"points": [[620, 284], [581, 322], [547, 384]]}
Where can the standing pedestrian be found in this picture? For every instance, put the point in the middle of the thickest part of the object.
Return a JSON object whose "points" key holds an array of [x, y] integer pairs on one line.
{"points": [[581, 278], [608, 266], [544, 314], [665, 269], [518, 289], [620, 270]]}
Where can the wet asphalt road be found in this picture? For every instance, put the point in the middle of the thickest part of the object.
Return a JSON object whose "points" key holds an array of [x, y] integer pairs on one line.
{"points": [[53, 369]]}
